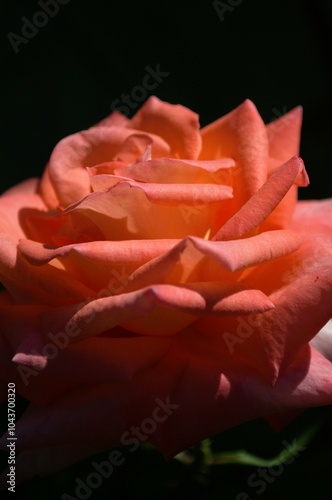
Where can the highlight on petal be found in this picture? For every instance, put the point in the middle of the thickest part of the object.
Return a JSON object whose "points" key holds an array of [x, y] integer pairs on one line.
{"points": [[264, 201], [131, 210], [174, 171], [241, 134], [177, 124]]}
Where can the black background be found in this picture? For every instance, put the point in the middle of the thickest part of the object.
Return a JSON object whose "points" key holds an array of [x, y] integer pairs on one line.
{"points": [[68, 75]]}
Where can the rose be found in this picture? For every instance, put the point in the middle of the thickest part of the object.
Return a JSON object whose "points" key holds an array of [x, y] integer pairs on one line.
{"points": [[163, 274]]}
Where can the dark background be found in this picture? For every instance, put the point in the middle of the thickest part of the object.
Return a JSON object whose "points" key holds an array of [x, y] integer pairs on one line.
{"points": [[70, 72]]}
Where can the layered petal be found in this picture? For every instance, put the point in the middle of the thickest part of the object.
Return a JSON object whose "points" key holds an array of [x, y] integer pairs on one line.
{"points": [[264, 201], [177, 124]]}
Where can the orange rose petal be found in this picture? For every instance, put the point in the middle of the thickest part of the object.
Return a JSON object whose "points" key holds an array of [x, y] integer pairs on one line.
{"points": [[241, 135], [284, 142], [106, 167], [47, 191], [42, 285], [194, 194], [261, 204], [111, 252], [174, 171], [284, 136], [125, 212], [15, 205], [310, 291], [104, 266], [313, 212], [133, 147], [222, 396], [66, 168], [157, 310], [282, 332], [116, 118], [177, 124], [187, 261], [239, 254], [238, 395]]}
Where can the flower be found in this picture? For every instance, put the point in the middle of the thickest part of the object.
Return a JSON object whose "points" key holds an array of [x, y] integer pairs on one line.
{"points": [[163, 283]]}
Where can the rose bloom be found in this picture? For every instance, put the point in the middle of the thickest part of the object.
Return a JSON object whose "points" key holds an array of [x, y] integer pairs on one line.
{"points": [[163, 283]]}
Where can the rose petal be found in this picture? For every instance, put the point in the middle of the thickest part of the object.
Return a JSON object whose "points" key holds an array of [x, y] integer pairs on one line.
{"points": [[264, 201], [241, 135], [174, 171], [126, 212], [284, 136], [313, 212], [12, 217], [42, 285], [66, 168], [177, 124], [228, 397], [169, 194]]}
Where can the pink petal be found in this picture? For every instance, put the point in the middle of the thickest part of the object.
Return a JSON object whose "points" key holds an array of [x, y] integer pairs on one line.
{"points": [[169, 194], [174, 171], [178, 125], [241, 135], [155, 310], [66, 168], [284, 136], [116, 118], [228, 395], [126, 212], [313, 212], [264, 201], [42, 285], [16, 204]]}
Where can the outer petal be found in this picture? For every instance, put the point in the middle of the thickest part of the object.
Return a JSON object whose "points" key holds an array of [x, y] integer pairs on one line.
{"points": [[313, 212], [155, 310], [13, 205], [42, 285], [228, 396]]}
